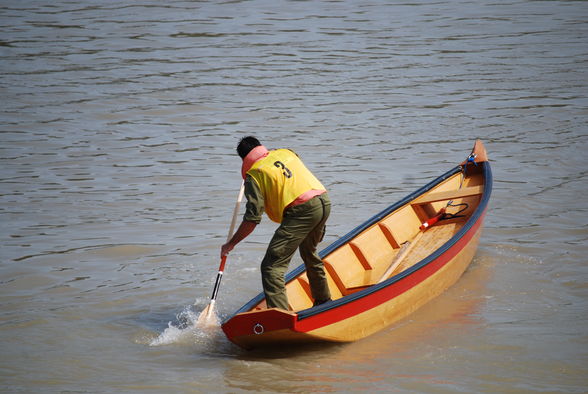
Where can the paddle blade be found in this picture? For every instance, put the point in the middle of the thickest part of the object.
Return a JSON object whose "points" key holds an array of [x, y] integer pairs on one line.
{"points": [[208, 317]]}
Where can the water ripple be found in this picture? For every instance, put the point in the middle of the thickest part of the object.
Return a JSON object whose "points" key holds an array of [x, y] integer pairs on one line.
{"points": [[118, 175]]}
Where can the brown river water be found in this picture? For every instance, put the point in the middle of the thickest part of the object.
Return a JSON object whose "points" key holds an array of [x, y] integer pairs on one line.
{"points": [[118, 176]]}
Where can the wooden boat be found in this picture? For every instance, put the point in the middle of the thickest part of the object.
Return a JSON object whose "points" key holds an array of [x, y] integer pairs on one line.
{"points": [[384, 269]]}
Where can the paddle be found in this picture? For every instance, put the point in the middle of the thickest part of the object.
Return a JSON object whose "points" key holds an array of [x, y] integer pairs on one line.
{"points": [[208, 315], [409, 245]]}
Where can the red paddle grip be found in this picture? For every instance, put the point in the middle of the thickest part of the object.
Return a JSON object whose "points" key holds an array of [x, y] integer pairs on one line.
{"points": [[222, 264]]}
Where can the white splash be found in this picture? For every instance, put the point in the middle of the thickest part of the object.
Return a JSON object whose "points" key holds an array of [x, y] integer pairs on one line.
{"points": [[185, 330]]}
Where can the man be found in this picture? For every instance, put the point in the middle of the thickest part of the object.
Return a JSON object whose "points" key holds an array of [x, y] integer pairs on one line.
{"points": [[278, 183]]}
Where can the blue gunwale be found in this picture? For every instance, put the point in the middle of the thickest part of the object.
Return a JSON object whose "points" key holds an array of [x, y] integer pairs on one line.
{"points": [[374, 219]]}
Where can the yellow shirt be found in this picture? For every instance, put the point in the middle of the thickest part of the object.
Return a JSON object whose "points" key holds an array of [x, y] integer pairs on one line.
{"points": [[282, 177]]}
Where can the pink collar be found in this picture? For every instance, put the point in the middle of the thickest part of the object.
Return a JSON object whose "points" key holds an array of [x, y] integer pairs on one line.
{"points": [[256, 154]]}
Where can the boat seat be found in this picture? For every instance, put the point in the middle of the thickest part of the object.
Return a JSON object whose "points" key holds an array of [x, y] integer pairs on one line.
{"points": [[428, 205], [449, 195]]}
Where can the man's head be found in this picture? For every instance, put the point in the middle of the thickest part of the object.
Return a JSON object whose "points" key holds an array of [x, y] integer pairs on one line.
{"points": [[246, 145]]}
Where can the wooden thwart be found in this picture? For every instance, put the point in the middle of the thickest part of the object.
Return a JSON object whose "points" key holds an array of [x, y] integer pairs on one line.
{"points": [[449, 195]]}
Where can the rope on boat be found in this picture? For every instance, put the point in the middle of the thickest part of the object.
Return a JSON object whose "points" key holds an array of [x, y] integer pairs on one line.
{"points": [[407, 246], [457, 214], [470, 159]]}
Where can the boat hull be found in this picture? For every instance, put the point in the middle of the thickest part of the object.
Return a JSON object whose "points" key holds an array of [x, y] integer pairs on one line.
{"points": [[365, 316], [359, 311]]}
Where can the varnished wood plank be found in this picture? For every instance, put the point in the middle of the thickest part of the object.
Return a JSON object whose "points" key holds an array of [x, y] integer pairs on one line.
{"points": [[449, 195]]}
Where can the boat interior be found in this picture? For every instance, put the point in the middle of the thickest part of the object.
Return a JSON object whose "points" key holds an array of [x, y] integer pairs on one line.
{"points": [[396, 242]]}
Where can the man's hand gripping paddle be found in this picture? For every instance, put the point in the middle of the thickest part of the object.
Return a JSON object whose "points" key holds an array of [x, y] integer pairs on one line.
{"points": [[208, 315]]}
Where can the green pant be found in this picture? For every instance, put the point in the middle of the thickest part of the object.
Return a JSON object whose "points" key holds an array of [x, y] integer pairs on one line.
{"points": [[303, 227]]}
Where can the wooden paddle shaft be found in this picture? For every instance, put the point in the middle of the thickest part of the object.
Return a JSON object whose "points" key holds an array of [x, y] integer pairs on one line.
{"points": [[402, 253], [223, 261], [409, 245], [236, 211]]}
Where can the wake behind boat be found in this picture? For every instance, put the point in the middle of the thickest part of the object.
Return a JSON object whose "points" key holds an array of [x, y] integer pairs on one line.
{"points": [[384, 269]]}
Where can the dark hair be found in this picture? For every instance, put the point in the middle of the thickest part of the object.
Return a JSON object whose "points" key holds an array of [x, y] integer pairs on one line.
{"points": [[246, 145]]}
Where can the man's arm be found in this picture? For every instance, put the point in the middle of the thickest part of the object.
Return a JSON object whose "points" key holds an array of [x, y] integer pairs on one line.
{"points": [[245, 228], [251, 218]]}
